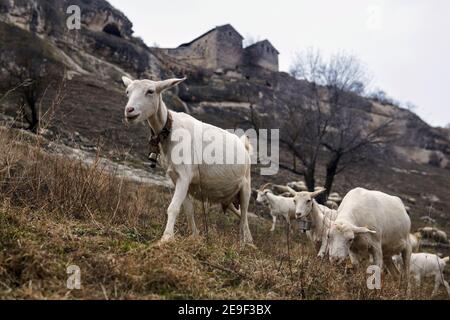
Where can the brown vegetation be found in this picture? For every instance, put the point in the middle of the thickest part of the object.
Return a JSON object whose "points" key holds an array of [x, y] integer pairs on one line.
{"points": [[56, 212]]}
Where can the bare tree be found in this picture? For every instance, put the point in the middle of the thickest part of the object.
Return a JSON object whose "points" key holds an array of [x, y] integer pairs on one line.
{"points": [[331, 122], [29, 79], [351, 139], [304, 133], [382, 97], [308, 121]]}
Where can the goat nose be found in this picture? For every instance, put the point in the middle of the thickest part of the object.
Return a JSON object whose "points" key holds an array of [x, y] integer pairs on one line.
{"points": [[130, 109]]}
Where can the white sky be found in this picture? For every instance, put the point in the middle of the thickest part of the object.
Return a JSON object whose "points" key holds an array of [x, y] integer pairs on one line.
{"points": [[404, 43]]}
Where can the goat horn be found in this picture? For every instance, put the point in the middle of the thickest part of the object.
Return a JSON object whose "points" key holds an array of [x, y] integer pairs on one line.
{"points": [[265, 186], [292, 191], [287, 189]]}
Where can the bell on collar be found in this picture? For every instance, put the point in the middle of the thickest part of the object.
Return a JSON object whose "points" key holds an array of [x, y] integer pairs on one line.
{"points": [[304, 225], [153, 157]]}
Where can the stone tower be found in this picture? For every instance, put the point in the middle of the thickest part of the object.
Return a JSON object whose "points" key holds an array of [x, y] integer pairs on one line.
{"points": [[262, 54]]}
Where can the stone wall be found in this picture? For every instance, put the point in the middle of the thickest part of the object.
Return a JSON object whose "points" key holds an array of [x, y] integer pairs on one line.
{"points": [[221, 48], [201, 53], [218, 49], [229, 50], [262, 54]]}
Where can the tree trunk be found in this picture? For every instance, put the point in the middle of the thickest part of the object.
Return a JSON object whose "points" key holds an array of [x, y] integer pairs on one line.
{"points": [[332, 167], [34, 125], [294, 161], [309, 178]]}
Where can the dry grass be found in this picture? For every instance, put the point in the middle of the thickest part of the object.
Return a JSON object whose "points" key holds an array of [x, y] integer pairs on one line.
{"points": [[56, 212]]}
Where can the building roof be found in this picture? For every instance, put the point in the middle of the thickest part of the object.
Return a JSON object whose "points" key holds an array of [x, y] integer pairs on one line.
{"points": [[263, 43], [226, 27]]}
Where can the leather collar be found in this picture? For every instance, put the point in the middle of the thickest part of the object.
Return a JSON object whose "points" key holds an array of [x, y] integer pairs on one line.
{"points": [[156, 139]]}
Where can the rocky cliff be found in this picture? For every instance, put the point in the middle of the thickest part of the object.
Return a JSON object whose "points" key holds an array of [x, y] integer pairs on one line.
{"points": [[104, 49]]}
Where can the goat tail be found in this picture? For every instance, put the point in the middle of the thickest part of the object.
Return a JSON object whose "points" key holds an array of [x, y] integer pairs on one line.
{"points": [[446, 259], [248, 146]]}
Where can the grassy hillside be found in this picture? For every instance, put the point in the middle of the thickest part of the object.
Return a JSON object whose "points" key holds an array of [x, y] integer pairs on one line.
{"points": [[56, 212]]}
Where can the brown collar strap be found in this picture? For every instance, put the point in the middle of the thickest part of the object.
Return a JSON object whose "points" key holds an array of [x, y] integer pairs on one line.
{"points": [[155, 140]]}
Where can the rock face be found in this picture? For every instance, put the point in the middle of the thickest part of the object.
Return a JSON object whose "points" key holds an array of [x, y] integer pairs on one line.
{"points": [[48, 17], [217, 91], [104, 46]]}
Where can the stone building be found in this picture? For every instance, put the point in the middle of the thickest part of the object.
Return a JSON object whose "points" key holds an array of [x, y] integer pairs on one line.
{"points": [[262, 54], [221, 48]]}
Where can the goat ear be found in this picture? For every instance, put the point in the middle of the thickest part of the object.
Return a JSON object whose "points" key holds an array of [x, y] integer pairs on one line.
{"points": [[360, 230], [162, 86], [126, 81], [291, 191], [317, 193]]}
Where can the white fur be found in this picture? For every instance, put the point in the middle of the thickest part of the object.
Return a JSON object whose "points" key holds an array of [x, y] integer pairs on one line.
{"points": [[433, 234], [415, 243], [320, 216], [218, 183], [278, 205], [425, 265], [371, 223], [332, 204]]}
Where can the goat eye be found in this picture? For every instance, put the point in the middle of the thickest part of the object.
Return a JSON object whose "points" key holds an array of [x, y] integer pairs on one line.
{"points": [[149, 92]]}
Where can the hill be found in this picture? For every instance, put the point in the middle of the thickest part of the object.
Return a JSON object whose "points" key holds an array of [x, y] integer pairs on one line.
{"points": [[45, 224]]}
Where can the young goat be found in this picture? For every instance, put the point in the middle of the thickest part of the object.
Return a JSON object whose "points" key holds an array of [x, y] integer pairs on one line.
{"points": [[278, 205], [429, 265], [224, 183]]}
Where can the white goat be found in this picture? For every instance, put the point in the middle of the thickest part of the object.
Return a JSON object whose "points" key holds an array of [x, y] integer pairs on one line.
{"points": [[321, 217], [388, 235], [278, 205], [415, 242], [429, 265], [433, 234], [332, 205], [219, 183]]}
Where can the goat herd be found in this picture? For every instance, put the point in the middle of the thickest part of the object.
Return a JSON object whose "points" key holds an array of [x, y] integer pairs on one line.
{"points": [[364, 225], [367, 225]]}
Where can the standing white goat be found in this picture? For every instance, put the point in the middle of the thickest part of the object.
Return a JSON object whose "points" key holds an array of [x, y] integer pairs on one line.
{"points": [[219, 183], [429, 265], [321, 217], [278, 205]]}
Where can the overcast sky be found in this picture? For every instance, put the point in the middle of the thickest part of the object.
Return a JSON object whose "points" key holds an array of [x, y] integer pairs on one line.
{"points": [[404, 43]]}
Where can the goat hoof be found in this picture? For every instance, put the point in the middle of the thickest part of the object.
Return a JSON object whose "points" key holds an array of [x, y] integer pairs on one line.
{"points": [[249, 245], [195, 236], [165, 239]]}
